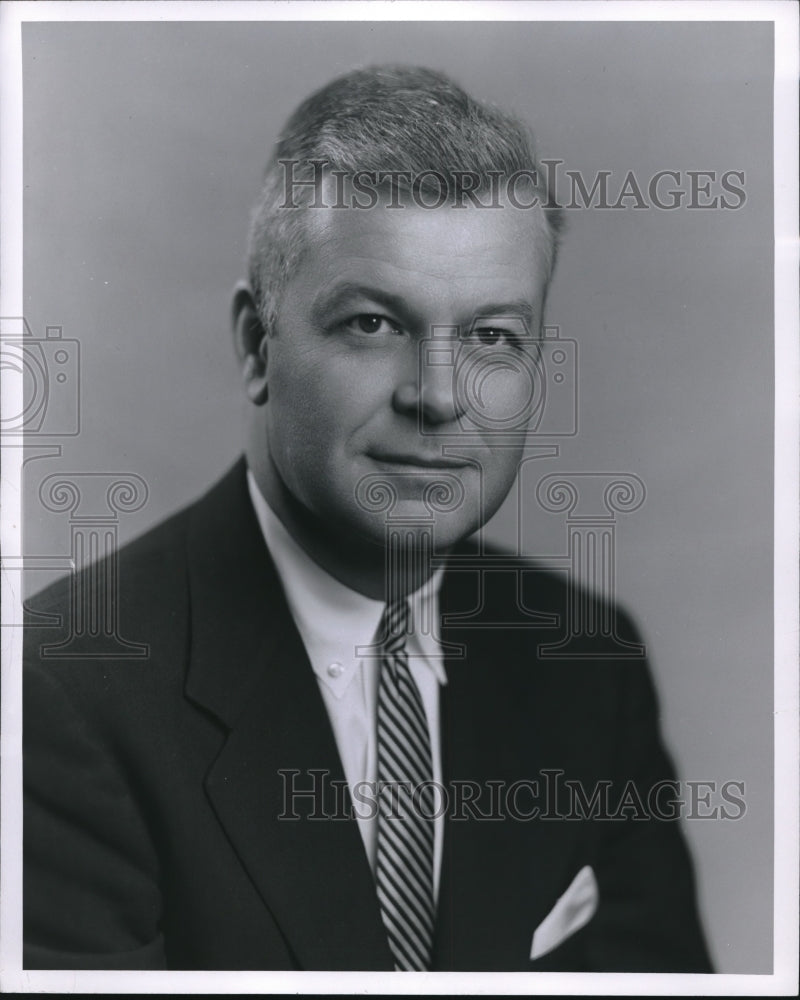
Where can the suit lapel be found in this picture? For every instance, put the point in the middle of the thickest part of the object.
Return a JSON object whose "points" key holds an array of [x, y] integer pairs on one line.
{"points": [[249, 668]]}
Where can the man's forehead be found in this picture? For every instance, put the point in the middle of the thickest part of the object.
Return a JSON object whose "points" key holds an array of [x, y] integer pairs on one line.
{"points": [[414, 248], [501, 234]]}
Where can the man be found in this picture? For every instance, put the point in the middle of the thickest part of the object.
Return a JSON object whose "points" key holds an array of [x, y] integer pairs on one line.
{"points": [[344, 748]]}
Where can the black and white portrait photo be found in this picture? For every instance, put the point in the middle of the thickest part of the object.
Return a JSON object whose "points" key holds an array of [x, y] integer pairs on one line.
{"points": [[399, 439]]}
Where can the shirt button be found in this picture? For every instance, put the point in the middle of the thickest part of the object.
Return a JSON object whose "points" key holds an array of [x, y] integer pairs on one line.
{"points": [[335, 669]]}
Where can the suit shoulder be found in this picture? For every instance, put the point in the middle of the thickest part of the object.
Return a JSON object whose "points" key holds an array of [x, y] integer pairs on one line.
{"points": [[147, 565], [498, 579], [132, 604]]}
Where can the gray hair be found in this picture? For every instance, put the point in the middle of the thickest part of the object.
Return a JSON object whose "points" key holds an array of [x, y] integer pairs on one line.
{"points": [[386, 119]]}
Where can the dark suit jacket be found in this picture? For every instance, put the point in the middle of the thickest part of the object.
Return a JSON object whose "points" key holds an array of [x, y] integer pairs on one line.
{"points": [[153, 786]]}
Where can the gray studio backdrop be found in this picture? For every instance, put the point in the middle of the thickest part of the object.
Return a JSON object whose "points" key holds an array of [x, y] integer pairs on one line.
{"points": [[144, 145]]}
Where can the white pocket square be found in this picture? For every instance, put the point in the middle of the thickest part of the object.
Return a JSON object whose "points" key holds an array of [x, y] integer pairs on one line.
{"points": [[572, 911]]}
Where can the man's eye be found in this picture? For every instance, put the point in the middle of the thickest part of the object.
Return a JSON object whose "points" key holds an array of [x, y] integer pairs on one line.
{"points": [[492, 335], [372, 323]]}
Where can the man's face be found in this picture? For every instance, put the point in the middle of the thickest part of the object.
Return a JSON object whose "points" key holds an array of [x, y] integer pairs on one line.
{"points": [[361, 390]]}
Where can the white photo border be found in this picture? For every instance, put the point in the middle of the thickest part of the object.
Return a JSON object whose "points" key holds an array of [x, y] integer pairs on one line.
{"points": [[783, 981]]}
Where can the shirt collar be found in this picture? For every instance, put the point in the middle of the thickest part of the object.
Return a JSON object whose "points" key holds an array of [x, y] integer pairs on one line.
{"points": [[332, 618]]}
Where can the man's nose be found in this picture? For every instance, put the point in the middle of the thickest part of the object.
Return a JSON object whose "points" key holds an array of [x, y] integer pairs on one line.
{"points": [[430, 391]]}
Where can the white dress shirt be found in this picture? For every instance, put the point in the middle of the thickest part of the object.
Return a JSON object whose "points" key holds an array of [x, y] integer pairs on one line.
{"points": [[333, 621]]}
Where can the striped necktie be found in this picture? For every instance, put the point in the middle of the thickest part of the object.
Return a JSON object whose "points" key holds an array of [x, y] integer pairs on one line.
{"points": [[404, 874]]}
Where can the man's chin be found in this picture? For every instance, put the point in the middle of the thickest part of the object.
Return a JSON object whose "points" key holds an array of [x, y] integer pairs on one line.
{"points": [[413, 525]]}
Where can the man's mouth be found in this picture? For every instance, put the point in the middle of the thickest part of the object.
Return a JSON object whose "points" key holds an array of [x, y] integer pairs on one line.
{"points": [[418, 461]]}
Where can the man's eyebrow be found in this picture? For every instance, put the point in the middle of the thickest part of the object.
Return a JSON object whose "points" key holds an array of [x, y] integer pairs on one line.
{"points": [[338, 296], [518, 309]]}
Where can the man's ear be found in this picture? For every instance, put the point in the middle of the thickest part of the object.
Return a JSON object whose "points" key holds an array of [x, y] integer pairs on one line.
{"points": [[250, 340]]}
